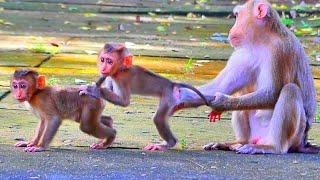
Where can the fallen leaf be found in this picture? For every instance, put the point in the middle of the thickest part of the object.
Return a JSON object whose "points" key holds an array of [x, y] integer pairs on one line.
{"points": [[89, 15], [161, 29], [8, 23], [104, 28], [84, 28], [72, 8], [191, 15], [152, 14], [62, 6]]}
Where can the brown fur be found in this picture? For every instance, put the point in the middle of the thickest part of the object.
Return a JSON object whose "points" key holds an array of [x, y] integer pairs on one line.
{"points": [[289, 91], [53, 104], [123, 81]]}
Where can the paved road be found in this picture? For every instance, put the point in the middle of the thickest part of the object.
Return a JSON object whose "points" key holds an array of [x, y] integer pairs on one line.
{"points": [[81, 163]]}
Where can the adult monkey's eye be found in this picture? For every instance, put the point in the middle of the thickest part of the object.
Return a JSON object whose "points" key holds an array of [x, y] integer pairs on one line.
{"points": [[102, 59]]}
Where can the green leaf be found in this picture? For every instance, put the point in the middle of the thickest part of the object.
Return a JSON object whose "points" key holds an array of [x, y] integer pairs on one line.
{"points": [[152, 14], [189, 65], [162, 28], [41, 48], [86, 28], [104, 28], [287, 21], [72, 8], [89, 15]]}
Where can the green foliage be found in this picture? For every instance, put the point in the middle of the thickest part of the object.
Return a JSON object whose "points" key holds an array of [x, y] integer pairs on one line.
{"points": [[162, 28], [152, 14], [183, 143], [287, 21], [189, 65], [42, 48], [72, 8], [52, 81]]}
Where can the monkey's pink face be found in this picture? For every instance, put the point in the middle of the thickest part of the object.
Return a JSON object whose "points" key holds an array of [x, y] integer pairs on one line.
{"points": [[237, 32], [107, 63], [20, 89]]}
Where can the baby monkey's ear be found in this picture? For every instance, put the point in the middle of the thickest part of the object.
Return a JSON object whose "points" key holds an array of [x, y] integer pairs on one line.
{"points": [[127, 61], [41, 82]]}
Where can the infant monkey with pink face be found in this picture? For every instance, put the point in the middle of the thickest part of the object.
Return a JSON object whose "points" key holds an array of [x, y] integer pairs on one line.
{"points": [[123, 79]]}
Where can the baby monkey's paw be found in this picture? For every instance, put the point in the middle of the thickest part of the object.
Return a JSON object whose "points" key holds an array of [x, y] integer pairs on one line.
{"points": [[156, 147], [34, 149], [100, 145], [24, 144]]}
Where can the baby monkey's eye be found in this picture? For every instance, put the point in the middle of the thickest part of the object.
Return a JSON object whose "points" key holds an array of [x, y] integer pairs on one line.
{"points": [[15, 86], [109, 61], [102, 59], [236, 15], [23, 86]]}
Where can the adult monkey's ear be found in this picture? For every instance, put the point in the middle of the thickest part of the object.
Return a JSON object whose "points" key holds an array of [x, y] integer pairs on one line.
{"points": [[261, 10], [41, 82]]}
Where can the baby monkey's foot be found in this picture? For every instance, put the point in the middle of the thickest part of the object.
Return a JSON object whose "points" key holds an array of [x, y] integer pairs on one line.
{"points": [[156, 147], [100, 145], [34, 149], [103, 144], [24, 144]]}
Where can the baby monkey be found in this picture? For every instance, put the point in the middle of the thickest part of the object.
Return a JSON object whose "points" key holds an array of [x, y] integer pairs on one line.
{"points": [[53, 104], [124, 79]]}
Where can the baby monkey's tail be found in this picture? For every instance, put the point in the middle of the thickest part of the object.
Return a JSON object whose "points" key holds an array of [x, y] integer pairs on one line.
{"points": [[100, 81], [183, 85]]}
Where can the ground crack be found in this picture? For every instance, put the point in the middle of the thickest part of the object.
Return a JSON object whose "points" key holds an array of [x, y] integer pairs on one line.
{"points": [[43, 61], [4, 95]]}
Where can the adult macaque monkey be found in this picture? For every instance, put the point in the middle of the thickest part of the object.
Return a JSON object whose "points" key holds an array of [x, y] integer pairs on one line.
{"points": [[276, 99], [124, 79], [52, 105]]}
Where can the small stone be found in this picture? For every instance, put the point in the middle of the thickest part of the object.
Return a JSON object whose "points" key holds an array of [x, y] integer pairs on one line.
{"points": [[79, 82], [318, 57]]}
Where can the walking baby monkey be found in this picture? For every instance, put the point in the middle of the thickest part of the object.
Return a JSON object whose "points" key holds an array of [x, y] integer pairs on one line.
{"points": [[124, 79], [53, 104]]}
